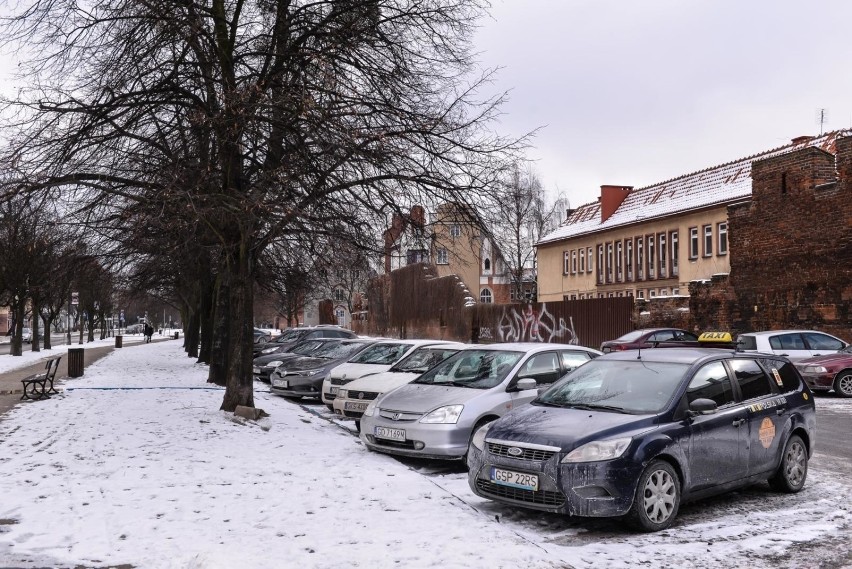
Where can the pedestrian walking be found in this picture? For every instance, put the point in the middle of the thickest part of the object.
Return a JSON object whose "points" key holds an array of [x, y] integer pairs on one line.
{"points": [[148, 331]]}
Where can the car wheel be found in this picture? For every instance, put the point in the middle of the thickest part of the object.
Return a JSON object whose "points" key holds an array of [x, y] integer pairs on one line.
{"points": [[657, 497], [843, 384], [793, 470]]}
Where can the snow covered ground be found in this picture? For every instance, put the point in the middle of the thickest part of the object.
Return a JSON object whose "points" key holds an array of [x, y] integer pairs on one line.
{"points": [[134, 464]]}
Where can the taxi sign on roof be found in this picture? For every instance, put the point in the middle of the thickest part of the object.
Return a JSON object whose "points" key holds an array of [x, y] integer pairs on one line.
{"points": [[715, 337]]}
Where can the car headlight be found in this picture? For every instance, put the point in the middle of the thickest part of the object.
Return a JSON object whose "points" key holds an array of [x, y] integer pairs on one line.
{"points": [[445, 415], [343, 394], [311, 372], [815, 369], [371, 408], [268, 350], [275, 363], [478, 439], [598, 450]]}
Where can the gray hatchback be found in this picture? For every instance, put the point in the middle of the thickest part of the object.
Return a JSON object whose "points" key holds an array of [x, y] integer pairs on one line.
{"points": [[435, 415]]}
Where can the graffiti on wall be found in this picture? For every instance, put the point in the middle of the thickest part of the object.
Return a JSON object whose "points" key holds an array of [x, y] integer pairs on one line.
{"points": [[530, 324]]}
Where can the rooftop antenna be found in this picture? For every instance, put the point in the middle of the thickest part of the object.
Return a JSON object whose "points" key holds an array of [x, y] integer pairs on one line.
{"points": [[821, 118]]}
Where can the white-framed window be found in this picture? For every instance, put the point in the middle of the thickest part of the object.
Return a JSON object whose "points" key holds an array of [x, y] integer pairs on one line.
{"points": [[610, 295], [620, 294], [652, 293], [573, 297], [640, 258], [573, 261], [455, 230], [600, 264], [693, 242], [609, 262], [442, 257], [630, 292], [600, 295], [640, 294], [708, 240], [722, 231], [589, 263], [661, 240], [340, 314], [583, 260], [664, 292], [673, 239], [628, 258], [565, 262], [675, 291], [485, 296], [619, 261], [652, 258], [339, 294]]}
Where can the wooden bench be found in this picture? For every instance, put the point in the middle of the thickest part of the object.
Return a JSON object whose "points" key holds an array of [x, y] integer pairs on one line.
{"points": [[40, 386]]}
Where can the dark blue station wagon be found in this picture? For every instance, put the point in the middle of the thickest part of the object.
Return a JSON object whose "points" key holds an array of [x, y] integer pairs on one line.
{"points": [[636, 433]]}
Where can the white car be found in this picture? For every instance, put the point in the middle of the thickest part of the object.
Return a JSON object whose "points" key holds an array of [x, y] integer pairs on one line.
{"points": [[793, 344], [355, 396], [377, 358]]}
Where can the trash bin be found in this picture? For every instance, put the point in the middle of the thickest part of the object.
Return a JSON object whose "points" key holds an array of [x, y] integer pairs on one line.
{"points": [[177, 335], [118, 340], [75, 362]]}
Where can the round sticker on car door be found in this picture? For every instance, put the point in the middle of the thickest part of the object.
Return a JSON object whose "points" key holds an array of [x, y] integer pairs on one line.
{"points": [[766, 432]]}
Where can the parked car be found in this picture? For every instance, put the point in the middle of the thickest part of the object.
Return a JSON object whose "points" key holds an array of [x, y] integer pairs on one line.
{"points": [[354, 398], [793, 344], [264, 365], [293, 335], [831, 371], [377, 358], [303, 377], [27, 336], [261, 337], [648, 337], [435, 415], [134, 329], [635, 436]]}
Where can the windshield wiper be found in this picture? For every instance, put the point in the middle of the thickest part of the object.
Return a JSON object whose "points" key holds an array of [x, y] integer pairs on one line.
{"points": [[592, 406], [545, 403]]}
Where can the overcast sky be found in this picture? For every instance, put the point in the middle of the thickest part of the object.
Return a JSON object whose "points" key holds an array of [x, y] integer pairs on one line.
{"points": [[634, 92], [637, 92]]}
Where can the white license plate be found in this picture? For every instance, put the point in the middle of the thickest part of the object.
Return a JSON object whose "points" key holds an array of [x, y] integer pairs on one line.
{"points": [[514, 479], [255, 370], [391, 434], [333, 390], [280, 383], [355, 405]]}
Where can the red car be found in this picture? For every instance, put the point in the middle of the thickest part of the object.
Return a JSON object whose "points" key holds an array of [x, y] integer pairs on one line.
{"points": [[831, 371], [649, 337]]}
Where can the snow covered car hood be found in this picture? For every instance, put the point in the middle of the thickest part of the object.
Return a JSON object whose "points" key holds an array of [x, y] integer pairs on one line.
{"points": [[382, 382], [354, 371], [420, 398]]}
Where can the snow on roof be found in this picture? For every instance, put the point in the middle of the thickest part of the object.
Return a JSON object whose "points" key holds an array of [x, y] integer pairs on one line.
{"points": [[711, 186]]}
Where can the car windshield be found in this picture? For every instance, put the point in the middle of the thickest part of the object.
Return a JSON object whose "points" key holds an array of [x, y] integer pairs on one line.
{"points": [[847, 349], [307, 347], [338, 350], [424, 358], [381, 354], [478, 369], [627, 386], [325, 348], [630, 336]]}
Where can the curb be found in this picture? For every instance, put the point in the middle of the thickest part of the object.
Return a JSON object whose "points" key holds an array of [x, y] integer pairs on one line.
{"points": [[11, 391]]}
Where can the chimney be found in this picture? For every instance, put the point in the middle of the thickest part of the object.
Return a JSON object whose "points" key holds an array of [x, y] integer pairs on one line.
{"points": [[611, 198], [802, 139]]}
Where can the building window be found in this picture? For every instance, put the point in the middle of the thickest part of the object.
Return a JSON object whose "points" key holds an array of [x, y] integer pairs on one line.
{"points": [[640, 294], [675, 291], [620, 294], [573, 297], [663, 292], [486, 266], [574, 262], [652, 293], [583, 260], [340, 313], [610, 295], [485, 296], [628, 258], [722, 229], [600, 264], [589, 264], [339, 295], [661, 240], [708, 240], [417, 256], [693, 242], [630, 292], [619, 261], [600, 295], [582, 297], [640, 258], [651, 257], [673, 240], [609, 267], [455, 231], [443, 257], [565, 265]]}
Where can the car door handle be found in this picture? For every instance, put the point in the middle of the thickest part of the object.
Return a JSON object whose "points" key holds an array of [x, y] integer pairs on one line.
{"points": [[785, 355], [738, 422]]}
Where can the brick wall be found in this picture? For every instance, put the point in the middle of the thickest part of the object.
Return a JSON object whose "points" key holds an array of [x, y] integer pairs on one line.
{"points": [[791, 248]]}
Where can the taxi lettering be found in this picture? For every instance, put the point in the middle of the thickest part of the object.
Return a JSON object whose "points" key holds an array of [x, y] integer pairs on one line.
{"points": [[768, 404]]}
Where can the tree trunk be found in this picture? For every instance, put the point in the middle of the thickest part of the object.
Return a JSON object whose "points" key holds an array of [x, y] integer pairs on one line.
{"points": [[48, 324], [240, 293], [35, 344], [218, 372], [17, 340], [206, 321]]}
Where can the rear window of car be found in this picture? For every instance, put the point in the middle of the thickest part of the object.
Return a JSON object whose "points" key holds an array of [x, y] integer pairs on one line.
{"points": [[747, 342]]}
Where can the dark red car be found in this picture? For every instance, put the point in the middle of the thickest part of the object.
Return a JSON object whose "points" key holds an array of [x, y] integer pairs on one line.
{"points": [[831, 371], [649, 338]]}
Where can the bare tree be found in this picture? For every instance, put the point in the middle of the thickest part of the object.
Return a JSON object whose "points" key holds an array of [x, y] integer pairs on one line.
{"points": [[525, 215], [237, 122]]}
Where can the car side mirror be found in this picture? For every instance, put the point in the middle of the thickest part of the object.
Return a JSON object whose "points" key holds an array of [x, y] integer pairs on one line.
{"points": [[703, 407], [525, 384]]}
